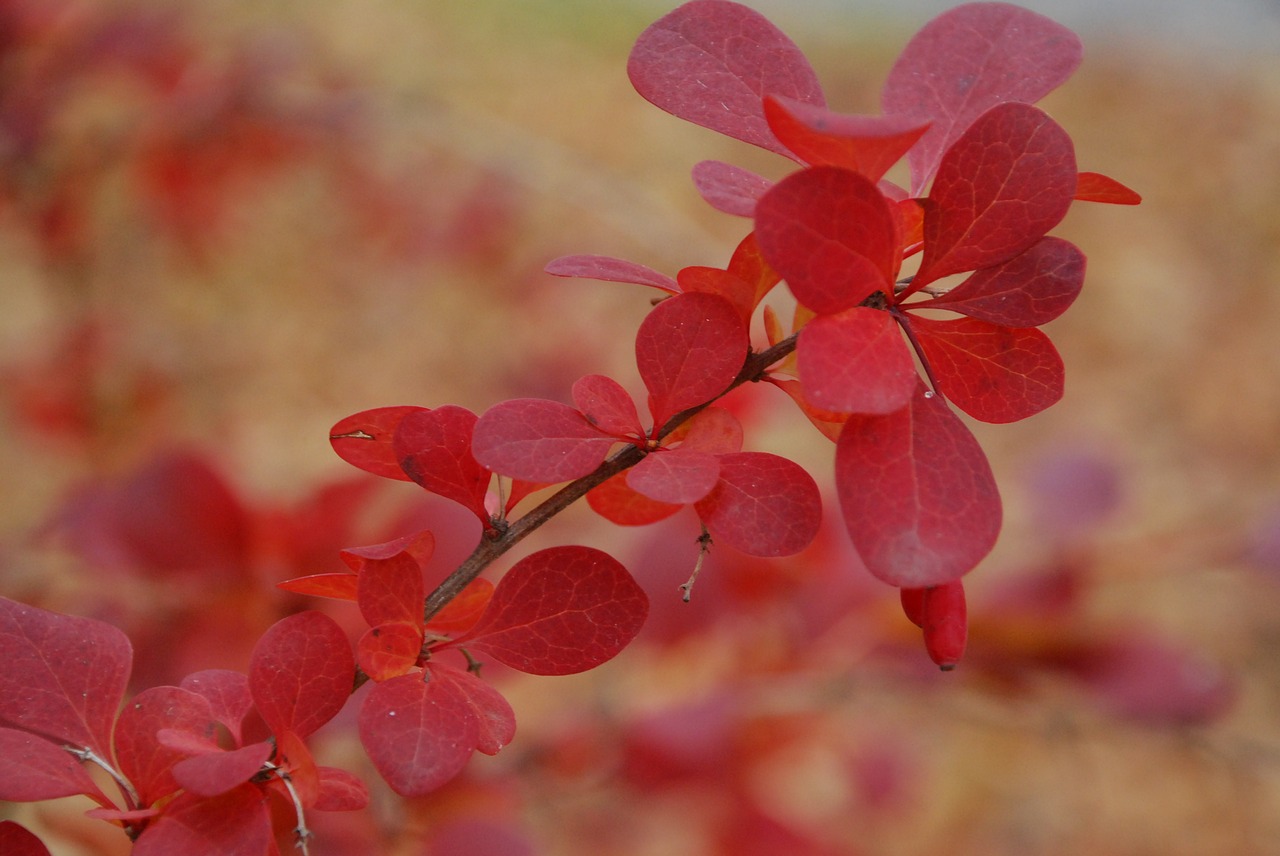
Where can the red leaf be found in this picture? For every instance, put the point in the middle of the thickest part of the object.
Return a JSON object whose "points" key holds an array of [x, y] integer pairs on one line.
{"points": [[830, 424], [301, 672], [391, 589], [420, 545], [610, 270], [1005, 182], [993, 373], [461, 613], [214, 773], [495, 720], [1030, 289], [228, 695], [619, 503], [607, 406], [713, 430], [236, 823], [365, 439], [142, 759], [418, 734], [340, 791], [63, 677], [830, 234], [968, 60], [712, 62], [336, 586], [16, 840], [728, 188], [864, 144], [560, 611], [389, 649], [35, 769], [434, 448], [748, 264], [709, 280], [945, 622], [688, 350], [855, 362], [1095, 187], [917, 493], [539, 441], [675, 475], [763, 505]]}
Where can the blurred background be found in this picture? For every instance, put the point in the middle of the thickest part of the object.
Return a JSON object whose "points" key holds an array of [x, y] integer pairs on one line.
{"points": [[224, 227]]}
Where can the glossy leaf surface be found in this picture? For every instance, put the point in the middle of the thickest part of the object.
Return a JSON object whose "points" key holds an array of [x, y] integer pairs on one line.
{"points": [[917, 493], [365, 440], [966, 61], [711, 62], [763, 505], [855, 362], [688, 350], [301, 672], [538, 441]]}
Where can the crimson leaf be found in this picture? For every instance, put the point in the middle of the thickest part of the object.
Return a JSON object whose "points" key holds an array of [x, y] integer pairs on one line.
{"points": [[559, 611], [142, 758], [763, 505], [63, 677], [213, 773], [1095, 187], [865, 144], [607, 406], [711, 62], [434, 449], [228, 695], [855, 362], [538, 441], [493, 715], [688, 350], [236, 823], [675, 475], [35, 769], [917, 493], [301, 672], [618, 502], [391, 589], [418, 733], [966, 61], [16, 840], [365, 439]]}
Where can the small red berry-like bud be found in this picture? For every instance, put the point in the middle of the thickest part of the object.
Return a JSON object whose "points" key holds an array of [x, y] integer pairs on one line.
{"points": [[913, 604], [946, 624]]}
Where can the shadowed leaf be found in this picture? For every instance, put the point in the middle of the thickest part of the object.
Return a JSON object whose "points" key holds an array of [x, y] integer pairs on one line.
{"points": [[763, 505]]}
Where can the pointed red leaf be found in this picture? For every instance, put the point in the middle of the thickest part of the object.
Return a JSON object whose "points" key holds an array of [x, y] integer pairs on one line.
{"points": [[389, 649], [336, 586], [714, 430], [1030, 289], [227, 693], [820, 137], [1095, 187], [340, 791], [675, 475], [236, 823], [688, 350], [364, 440], [855, 362], [1005, 182], [35, 769], [966, 61], [711, 62], [391, 589], [434, 448], [63, 677], [610, 269], [607, 406], [619, 503], [917, 493], [993, 373], [559, 611], [142, 759], [494, 717], [763, 505], [539, 441], [944, 620], [461, 613], [16, 840], [214, 773], [418, 733], [729, 189], [830, 234], [301, 672]]}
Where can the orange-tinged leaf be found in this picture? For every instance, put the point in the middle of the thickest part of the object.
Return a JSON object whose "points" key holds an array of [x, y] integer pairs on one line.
{"points": [[390, 649], [869, 145], [364, 440], [855, 362], [619, 503], [460, 614], [1095, 187], [336, 586]]}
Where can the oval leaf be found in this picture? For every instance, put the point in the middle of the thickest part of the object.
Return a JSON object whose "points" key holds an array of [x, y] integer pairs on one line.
{"points": [[434, 449], [763, 505], [301, 673], [619, 503], [917, 493], [227, 693], [675, 475], [494, 717], [142, 759], [35, 769], [389, 649], [865, 144], [728, 188], [711, 62], [560, 611], [688, 350], [364, 440], [236, 823], [214, 773], [609, 269], [607, 406], [831, 235], [539, 441], [391, 589], [855, 362], [419, 734]]}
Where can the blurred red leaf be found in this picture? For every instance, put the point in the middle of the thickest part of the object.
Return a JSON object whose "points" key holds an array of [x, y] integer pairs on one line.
{"points": [[539, 441], [610, 269], [617, 502], [855, 362], [365, 440], [64, 677], [864, 144], [1001, 186], [418, 733], [559, 611], [689, 348], [36, 769], [434, 449], [236, 823], [16, 840], [1095, 187], [607, 406], [711, 62], [336, 586], [142, 758], [993, 373], [340, 791], [830, 234], [228, 695], [675, 475], [966, 61], [763, 505], [729, 189], [1030, 289], [213, 773], [917, 493], [301, 673]]}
